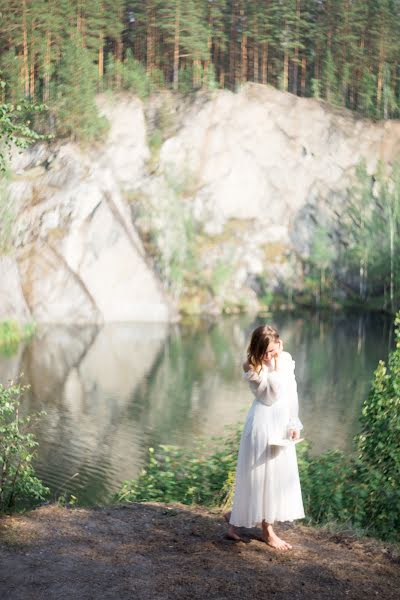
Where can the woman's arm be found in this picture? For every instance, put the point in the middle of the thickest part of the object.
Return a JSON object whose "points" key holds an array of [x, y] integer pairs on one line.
{"points": [[265, 385], [294, 425]]}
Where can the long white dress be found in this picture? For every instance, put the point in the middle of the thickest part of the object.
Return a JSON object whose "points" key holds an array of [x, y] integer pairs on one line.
{"points": [[267, 484]]}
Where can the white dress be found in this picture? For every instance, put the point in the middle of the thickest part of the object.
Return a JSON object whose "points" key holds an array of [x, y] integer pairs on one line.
{"points": [[267, 484]]}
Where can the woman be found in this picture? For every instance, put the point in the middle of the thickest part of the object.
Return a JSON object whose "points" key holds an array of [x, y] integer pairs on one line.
{"points": [[267, 485]]}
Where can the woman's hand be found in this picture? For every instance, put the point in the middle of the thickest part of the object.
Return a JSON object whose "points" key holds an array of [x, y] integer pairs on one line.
{"points": [[272, 354], [294, 434], [279, 349], [277, 353]]}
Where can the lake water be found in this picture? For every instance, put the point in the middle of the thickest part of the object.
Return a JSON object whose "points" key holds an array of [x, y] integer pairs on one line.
{"points": [[111, 392]]}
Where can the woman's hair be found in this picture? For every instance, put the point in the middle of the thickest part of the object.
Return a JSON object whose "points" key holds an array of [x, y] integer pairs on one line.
{"points": [[260, 339]]}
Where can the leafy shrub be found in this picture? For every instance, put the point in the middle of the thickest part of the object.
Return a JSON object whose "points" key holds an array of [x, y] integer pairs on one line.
{"points": [[11, 334], [130, 75], [378, 443], [188, 476], [18, 484], [75, 109]]}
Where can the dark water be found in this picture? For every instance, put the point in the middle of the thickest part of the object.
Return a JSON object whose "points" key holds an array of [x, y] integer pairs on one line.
{"points": [[112, 392]]}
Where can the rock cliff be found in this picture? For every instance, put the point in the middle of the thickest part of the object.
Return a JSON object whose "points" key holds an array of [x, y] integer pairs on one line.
{"points": [[201, 204]]}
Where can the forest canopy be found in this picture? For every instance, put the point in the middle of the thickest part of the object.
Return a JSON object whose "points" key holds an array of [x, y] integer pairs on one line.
{"points": [[343, 51]]}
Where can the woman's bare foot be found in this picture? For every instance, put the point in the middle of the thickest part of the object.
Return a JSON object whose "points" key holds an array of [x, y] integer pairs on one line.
{"points": [[233, 535], [273, 540], [232, 529], [227, 516]]}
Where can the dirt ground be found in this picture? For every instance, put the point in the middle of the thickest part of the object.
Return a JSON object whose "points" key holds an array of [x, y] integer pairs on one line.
{"points": [[153, 551]]}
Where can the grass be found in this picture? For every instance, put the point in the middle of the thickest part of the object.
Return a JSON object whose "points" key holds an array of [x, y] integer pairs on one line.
{"points": [[12, 333]]}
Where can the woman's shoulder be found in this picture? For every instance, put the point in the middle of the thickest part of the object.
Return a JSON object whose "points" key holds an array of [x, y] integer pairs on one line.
{"points": [[249, 372], [287, 359]]}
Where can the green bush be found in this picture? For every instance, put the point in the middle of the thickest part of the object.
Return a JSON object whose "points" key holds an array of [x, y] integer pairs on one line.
{"points": [[11, 334], [75, 108], [195, 476], [378, 444], [130, 75], [18, 484]]}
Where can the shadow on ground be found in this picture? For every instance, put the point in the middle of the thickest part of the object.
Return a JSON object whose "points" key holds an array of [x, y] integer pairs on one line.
{"points": [[153, 551]]}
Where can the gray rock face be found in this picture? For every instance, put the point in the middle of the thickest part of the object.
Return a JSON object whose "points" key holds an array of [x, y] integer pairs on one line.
{"points": [[80, 258], [262, 170], [254, 171], [12, 302], [265, 155]]}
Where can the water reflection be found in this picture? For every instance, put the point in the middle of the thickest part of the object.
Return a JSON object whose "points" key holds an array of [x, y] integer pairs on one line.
{"points": [[111, 392]]}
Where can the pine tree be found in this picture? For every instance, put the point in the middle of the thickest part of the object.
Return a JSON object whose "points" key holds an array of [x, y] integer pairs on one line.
{"points": [[185, 30], [77, 114]]}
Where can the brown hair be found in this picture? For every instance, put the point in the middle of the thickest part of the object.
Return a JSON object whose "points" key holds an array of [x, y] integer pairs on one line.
{"points": [[260, 339]]}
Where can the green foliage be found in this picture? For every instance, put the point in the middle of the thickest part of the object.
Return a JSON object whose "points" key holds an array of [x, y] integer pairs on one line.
{"points": [[363, 488], [368, 94], [11, 334], [331, 82], [18, 484], [76, 111], [378, 443], [370, 226], [7, 216], [169, 232], [195, 476], [64, 501], [130, 74], [15, 126], [220, 276], [315, 88], [362, 256], [325, 484], [346, 52]]}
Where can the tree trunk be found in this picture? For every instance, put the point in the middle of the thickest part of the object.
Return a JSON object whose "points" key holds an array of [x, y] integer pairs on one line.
{"points": [[255, 62], [379, 83], [286, 70], [264, 62], [296, 49], [209, 48], [32, 77], [150, 44], [255, 52], [47, 66], [243, 65], [196, 73], [303, 76], [391, 264], [175, 80], [25, 46], [101, 57], [207, 62], [232, 47], [118, 58]]}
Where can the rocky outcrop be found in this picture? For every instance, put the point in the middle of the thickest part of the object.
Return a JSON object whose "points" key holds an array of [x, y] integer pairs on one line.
{"points": [[80, 258], [261, 170], [205, 204], [12, 303]]}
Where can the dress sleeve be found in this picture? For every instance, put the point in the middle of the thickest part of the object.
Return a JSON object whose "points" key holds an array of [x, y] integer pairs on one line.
{"points": [[266, 385], [294, 421]]}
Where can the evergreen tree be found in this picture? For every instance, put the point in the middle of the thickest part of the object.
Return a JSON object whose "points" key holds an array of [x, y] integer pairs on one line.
{"points": [[185, 28], [343, 50], [77, 114]]}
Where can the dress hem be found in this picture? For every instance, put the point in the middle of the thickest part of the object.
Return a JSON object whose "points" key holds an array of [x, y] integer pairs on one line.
{"points": [[259, 523]]}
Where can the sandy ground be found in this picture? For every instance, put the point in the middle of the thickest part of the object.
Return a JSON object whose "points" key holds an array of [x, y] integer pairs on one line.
{"points": [[154, 551]]}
